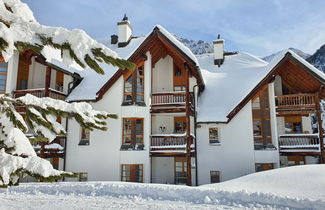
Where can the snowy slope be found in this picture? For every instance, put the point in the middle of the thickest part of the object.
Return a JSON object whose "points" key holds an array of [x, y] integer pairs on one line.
{"points": [[297, 51], [298, 187]]}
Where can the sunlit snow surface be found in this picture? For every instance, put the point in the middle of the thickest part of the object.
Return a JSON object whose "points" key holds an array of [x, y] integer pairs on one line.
{"points": [[299, 187]]}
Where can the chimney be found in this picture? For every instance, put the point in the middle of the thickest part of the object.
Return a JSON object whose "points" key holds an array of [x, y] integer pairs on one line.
{"points": [[114, 39], [124, 31], [218, 51]]}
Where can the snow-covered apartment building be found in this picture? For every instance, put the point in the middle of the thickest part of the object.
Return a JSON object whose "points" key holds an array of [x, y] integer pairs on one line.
{"points": [[182, 118]]}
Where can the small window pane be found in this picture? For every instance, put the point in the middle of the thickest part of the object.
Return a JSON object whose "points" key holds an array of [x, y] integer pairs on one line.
{"points": [[213, 135], [83, 177], [215, 176]]}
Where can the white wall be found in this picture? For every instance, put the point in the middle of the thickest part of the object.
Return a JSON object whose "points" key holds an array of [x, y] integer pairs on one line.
{"points": [[235, 155], [124, 32], [166, 121], [163, 170], [66, 80], [163, 75], [37, 74], [12, 73], [103, 157]]}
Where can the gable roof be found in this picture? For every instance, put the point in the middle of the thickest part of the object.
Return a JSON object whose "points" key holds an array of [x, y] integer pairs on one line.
{"points": [[236, 82], [93, 87]]}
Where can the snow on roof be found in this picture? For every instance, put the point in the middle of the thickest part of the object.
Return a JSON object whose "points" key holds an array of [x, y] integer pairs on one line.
{"points": [[180, 45], [88, 89], [227, 85], [92, 82], [53, 56]]}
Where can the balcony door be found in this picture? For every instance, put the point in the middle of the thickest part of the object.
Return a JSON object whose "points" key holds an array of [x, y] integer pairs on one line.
{"points": [[23, 72], [179, 124], [179, 78], [180, 170]]}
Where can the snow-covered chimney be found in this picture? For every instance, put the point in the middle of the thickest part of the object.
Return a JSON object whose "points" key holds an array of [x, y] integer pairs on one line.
{"points": [[218, 51], [124, 31]]}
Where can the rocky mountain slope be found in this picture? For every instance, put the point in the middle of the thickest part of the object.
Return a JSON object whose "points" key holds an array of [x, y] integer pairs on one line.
{"points": [[318, 58]]}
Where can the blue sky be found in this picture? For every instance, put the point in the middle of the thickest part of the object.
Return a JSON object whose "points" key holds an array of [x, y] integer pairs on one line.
{"points": [[260, 27]]}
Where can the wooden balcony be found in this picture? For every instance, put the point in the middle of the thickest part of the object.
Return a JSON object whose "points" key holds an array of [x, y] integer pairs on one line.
{"points": [[295, 104], [169, 144], [51, 150], [166, 102], [289, 143], [41, 92]]}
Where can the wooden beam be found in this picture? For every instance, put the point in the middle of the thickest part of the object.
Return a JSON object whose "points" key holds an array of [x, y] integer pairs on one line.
{"points": [[320, 127], [47, 81], [188, 127]]}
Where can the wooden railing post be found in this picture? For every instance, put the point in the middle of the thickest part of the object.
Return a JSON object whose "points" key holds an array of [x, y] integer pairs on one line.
{"points": [[320, 127], [188, 127], [47, 81]]}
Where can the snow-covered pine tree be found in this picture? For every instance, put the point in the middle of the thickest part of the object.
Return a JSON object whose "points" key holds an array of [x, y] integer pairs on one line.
{"points": [[19, 31], [17, 156]]}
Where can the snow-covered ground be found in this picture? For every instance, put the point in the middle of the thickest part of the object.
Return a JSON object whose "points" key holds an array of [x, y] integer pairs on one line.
{"points": [[299, 187]]}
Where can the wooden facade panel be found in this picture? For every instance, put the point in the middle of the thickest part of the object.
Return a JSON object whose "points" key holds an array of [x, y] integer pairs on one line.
{"points": [[23, 72]]}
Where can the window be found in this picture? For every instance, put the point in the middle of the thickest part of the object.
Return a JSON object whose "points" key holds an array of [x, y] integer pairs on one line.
{"points": [[83, 177], [84, 137], [132, 131], [293, 124], [3, 75], [178, 71], [214, 177], [179, 88], [180, 170], [214, 136], [179, 78], [180, 124], [134, 88], [132, 173], [261, 120], [263, 166]]}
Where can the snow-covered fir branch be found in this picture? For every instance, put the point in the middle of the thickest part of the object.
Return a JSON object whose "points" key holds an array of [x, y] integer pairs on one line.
{"points": [[17, 156], [20, 31]]}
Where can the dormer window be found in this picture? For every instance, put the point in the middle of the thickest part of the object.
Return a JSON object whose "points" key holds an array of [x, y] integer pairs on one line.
{"points": [[134, 88]]}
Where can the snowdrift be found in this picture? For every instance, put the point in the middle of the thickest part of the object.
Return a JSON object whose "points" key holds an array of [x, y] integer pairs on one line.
{"points": [[298, 187]]}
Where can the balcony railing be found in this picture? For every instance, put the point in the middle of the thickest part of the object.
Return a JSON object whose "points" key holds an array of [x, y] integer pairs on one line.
{"points": [[299, 143], [295, 101], [168, 141], [41, 92], [168, 98], [53, 149], [173, 143]]}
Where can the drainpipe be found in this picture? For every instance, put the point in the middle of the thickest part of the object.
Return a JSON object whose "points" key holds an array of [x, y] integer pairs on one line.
{"points": [[195, 126], [65, 146]]}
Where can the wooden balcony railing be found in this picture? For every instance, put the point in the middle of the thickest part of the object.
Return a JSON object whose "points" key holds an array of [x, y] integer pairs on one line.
{"points": [[299, 142], [168, 98], [41, 93], [295, 101], [53, 149], [168, 141]]}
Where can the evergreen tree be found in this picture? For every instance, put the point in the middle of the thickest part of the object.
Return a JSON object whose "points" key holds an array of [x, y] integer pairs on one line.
{"points": [[19, 31], [17, 156]]}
